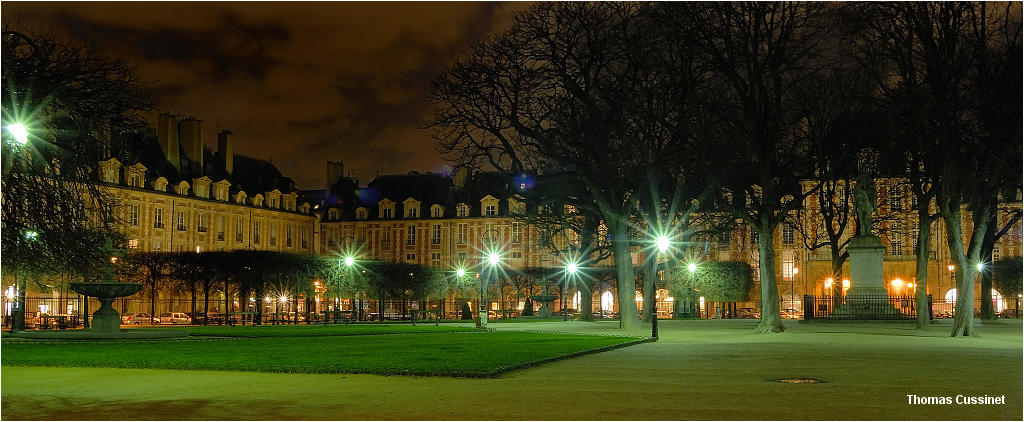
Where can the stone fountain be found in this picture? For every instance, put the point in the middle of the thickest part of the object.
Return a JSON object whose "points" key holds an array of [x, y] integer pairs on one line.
{"points": [[545, 300], [106, 321]]}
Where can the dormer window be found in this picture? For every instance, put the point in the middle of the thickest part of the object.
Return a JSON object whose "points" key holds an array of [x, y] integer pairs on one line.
{"points": [[333, 214], [436, 211], [516, 207], [387, 208], [462, 210], [160, 184], [361, 213], [181, 188], [412, 208], [240, 197], [489, 206]]}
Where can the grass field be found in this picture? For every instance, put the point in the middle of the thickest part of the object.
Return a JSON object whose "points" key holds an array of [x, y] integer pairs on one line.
{"points": [[708, 370], [452, 354], [315, 330]]}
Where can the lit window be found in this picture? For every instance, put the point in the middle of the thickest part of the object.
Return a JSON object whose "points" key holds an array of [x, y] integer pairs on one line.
{"points": [[158, 218], [462, 210], [463, 230], [435, 234], [491, 210], [134, 215], [787, 234], [517, 232], [411, 238]]}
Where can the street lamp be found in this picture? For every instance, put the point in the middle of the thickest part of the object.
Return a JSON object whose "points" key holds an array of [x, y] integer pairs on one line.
{"points": [[493, 259], [570, 271], [662, 243], [19, 131]]}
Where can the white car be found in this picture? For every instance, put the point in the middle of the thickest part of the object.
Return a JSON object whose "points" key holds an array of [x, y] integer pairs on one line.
{"points": [[175, 318], [138, 318]]}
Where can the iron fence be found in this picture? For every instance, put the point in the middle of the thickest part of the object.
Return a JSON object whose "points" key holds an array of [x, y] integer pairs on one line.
{"points": [[864, 307]]}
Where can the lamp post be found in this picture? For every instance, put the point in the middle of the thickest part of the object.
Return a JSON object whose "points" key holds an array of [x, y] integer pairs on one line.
{"points": [[792, 288], [662, 243], [692, 269], [570, 271], [492, 258]]}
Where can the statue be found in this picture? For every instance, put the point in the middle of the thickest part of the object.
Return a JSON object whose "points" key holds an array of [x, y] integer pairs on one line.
{"points": [[865, 202]]}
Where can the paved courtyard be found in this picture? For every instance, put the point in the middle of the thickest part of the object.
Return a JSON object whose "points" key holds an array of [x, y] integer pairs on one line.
{"points": [[699, 370]]}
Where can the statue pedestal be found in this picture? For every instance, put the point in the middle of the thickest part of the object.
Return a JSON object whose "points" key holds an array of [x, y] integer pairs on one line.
{"points": [[867, 297], [866, 278]]}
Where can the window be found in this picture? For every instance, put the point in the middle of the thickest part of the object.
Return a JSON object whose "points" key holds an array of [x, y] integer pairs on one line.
{"points": [[435, 259], [913, 201], [915, 229], [435, 234], [462, 210], [220, 227], [304, 236], [385, 237], [288, 235], [723, 239], [133, 215], [436, 211], [490, 210], [410, 257], [787, 266], [133, 180], [517, 232], [387, 212], [158, 218], [897, 247], [462, 258], [462, 234], [517, 254], [412, 211], [333, 214], [273, 234], [361, 213], [410, 239], [787, 234], [256, 232], [995, 254], [201, 227], [181, 220], [895, 199], [133, 243], [753, 237], [239, 229], [158, 245]]}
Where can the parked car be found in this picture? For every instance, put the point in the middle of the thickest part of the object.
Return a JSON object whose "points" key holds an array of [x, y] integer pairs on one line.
{"points": [[747, 313], [175, 318], [138, 318]]}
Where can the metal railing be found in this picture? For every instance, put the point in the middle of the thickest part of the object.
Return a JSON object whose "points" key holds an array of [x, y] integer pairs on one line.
{"points": [[862, 307]]}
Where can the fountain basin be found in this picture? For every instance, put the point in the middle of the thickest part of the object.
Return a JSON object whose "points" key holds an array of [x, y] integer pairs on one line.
{"points": [[545, 300]]}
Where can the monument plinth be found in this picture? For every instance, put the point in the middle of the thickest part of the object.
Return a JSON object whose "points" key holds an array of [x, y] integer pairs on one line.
{"points": [[866, 277]]}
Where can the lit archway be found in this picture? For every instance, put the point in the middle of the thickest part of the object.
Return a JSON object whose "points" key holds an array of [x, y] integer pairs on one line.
{"points": [[607, 301]]}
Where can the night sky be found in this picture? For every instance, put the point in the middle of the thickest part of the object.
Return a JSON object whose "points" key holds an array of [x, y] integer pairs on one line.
{"points": [[298, 83]]}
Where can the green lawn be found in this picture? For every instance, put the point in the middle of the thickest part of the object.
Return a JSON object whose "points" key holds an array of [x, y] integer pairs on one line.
{"points": [[704, 370], [454, 354], [315, 330]]}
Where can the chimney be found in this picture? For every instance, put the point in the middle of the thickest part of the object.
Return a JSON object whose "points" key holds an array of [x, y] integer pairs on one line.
{"points": [[226, 149], [335, 171], [191, 132], [167, 133]]}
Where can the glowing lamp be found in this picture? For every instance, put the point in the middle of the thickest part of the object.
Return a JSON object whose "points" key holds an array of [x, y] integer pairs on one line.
{"points": [[492, 258], [662, 243], [284, 298], [897, 283], [571, 268], [692, 268], [981, 266], [828, 283], [31, 235], [19, 132], [460, 272], [951, 267], [349, 261], [846, 284]]}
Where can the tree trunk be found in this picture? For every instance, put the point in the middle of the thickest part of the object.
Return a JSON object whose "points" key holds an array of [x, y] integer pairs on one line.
{"points": [[18, 324], [152, 300], [771, 321], [194, 307], [206, 306], [987, 310], [650, 278], [227, 303], [963, 320], [921, 277], [586, 301], [625, 283]]}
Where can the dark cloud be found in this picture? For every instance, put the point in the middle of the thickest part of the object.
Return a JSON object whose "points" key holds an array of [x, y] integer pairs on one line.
{"points": [[299, 82]]}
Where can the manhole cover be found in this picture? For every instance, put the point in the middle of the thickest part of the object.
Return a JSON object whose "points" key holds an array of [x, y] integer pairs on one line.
{"points": [[800, 380]]}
